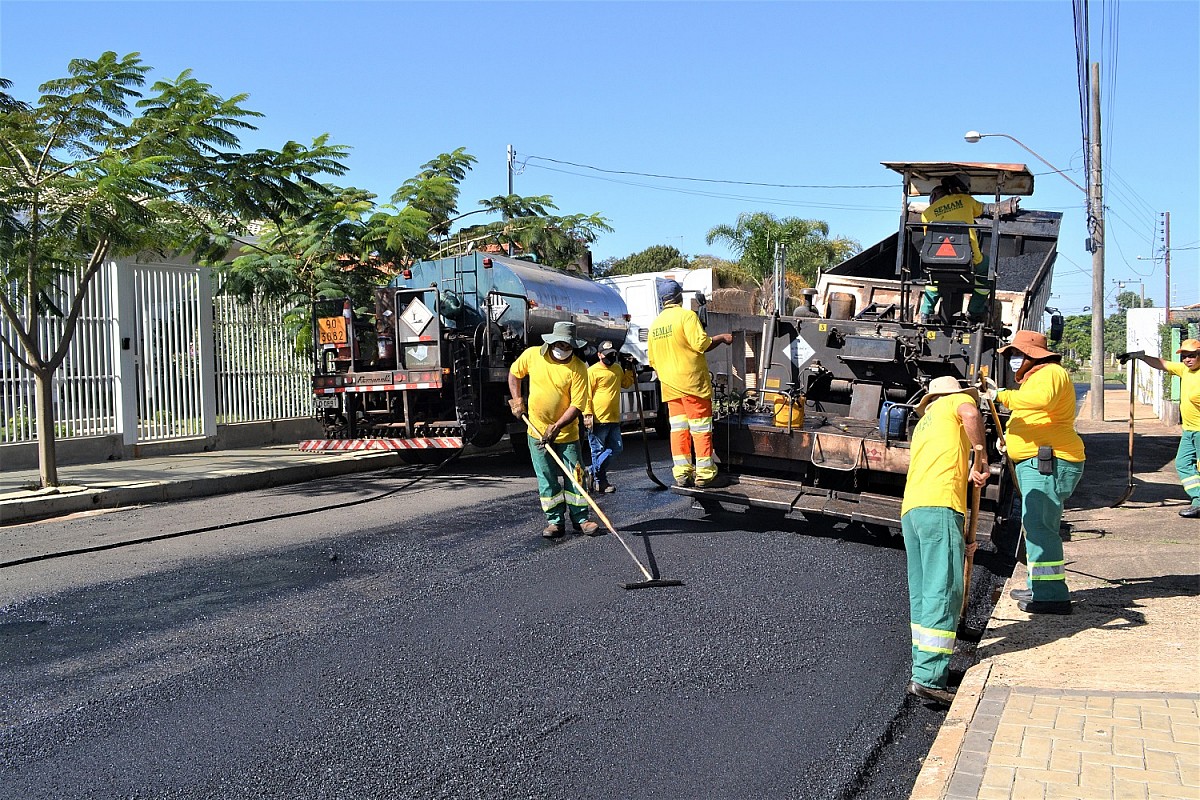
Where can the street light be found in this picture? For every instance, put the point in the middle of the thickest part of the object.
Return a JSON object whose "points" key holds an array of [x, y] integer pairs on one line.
{"points": [[1095, 244]]}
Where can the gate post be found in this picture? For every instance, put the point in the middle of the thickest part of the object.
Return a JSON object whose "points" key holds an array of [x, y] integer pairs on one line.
{"points": [[125, 356], [208, 361]]}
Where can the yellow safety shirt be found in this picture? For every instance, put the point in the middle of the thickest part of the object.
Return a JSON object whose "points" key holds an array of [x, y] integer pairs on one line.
{"points": [[676, 350], [1189, 394], [937, 468], [552, 388], [606, 384], [957, 208], [1043, 414]]}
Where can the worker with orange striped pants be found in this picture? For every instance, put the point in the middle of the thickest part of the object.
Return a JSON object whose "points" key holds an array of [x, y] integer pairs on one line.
{"points": [[676, 347]]}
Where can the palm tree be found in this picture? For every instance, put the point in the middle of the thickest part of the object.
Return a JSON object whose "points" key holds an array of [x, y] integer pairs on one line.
{"points": [[808, 246]]}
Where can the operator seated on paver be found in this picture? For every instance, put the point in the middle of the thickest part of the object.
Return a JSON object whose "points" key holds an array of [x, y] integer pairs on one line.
{"points": [[676, 349], [1048, 457], [1188, 372], [951, 201], [931, 519], [606, 379], [558, 395]]}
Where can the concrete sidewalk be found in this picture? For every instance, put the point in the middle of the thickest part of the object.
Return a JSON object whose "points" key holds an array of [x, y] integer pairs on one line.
{"points": [[1103, 703], [113, 484]]}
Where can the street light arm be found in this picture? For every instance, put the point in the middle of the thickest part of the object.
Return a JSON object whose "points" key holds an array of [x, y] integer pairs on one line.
{"points": [[974, 136]]}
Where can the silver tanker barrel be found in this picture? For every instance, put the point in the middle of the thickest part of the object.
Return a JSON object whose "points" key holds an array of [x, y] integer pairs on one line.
{"points": [[523, 298]]}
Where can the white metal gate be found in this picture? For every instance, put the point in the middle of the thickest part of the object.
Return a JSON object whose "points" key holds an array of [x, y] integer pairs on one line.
{"points": [[169, 347]]}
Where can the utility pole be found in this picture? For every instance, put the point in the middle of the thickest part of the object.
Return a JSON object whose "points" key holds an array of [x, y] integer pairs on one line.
{"points": [[1096, 227], [1167, 261], [511, 155]]}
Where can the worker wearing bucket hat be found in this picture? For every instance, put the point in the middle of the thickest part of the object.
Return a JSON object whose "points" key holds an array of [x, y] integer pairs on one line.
{"points": [[951, 201], [606, 379], [932, 514], [558, 394], [1187, 369], [676, 349], [1048, 457]]}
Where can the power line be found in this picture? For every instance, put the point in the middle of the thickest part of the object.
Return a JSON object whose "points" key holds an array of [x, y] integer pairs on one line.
{"points": [[712, 180]]}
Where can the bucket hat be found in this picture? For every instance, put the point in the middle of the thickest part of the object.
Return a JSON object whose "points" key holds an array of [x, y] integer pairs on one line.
{"points": [[668, 289], [1031, 344], [944, 385], [1189, 346], [563, 332]]}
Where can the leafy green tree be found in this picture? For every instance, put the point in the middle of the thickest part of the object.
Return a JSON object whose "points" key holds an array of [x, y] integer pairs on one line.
{"points": [[95, 170], [656, 258], [808, 246], [1076, 341]]}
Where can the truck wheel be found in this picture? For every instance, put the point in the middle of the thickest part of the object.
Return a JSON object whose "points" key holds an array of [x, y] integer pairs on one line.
{"points": [[520, 447], [662, 423]]}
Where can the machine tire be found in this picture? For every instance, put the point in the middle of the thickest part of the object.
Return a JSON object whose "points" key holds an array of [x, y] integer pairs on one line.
{"points": [[490, 432], [662, 423]]}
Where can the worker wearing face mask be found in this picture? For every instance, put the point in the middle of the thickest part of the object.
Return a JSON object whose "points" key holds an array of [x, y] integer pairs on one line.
{"points": [[1048, 456], [558, 395], [606, 379]]}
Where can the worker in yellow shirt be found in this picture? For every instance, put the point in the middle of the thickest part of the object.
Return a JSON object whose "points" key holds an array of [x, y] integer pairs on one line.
{"points": [[1049, 458], [676, 347], [932, 514], [606, 379], [1188, 372], [951, 201], [558, 395]]}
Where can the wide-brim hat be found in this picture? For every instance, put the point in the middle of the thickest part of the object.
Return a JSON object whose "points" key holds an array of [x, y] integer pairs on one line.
{"points": [[563, 332], [1031, 344], [942, 386], [1189, 346]]}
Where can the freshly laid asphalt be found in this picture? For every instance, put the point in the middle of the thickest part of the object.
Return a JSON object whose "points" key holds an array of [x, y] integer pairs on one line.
{"points": [[430, 644]]}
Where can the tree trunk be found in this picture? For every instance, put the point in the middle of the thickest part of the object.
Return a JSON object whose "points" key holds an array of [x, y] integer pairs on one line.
{"points": [[47, 458]]}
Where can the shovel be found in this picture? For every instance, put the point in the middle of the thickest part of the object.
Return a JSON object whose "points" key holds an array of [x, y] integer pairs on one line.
{"points": [[969, 536], [637, 392], [1132, 384], [651, 581]]}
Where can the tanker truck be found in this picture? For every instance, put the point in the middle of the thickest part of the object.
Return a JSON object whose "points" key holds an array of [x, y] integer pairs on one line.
{"points": [[429, 372], [813, 410]]}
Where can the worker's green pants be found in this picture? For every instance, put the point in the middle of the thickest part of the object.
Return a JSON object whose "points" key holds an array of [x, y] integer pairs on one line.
{"points": [[1042, 499], [978, 302], [933, 542], [1185, 464], [558, 495]]}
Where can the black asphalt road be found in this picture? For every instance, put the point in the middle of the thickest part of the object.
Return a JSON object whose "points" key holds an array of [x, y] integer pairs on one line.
{"points": [[430, 644]]}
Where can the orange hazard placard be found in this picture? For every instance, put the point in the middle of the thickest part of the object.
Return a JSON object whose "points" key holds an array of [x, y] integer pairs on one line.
{"points": [[331, 330], [946, 249]]}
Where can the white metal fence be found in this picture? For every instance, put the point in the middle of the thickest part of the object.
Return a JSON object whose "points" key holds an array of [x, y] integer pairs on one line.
{"points": [[156, 356]]}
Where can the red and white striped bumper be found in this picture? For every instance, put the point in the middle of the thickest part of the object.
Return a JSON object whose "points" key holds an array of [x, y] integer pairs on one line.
{"points": [[420, 443]]}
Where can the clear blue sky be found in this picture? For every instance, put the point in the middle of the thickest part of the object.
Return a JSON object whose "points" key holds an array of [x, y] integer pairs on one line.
{"points": [[814, 93]]}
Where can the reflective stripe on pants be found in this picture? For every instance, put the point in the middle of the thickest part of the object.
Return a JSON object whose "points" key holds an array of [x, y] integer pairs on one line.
{"points": [[555, 490], [1042, 499]]}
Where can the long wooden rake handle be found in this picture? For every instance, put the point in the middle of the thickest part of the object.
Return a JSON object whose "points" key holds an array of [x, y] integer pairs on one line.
{"points": [[969, 536], [570, 473]]}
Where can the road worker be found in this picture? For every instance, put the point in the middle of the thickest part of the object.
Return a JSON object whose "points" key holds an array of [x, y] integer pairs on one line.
{"points": [[606, 379], [1188, 372], [676, 348], [1048, 456], [951, 201], [932, 514], [558, 395]]}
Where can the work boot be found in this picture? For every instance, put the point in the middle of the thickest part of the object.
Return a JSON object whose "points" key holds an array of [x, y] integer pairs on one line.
{"points": [[715, 482], [1191, 512], [552, 531], [927, 319], [685, 481], [607, 488], [1062, 607], [942, 697], [590, 528], [1021, 595]]}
